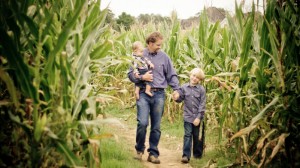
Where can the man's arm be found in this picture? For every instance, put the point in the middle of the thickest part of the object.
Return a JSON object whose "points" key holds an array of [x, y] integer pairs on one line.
{"points": [[171, 75], [148, 76], [179, 95]]}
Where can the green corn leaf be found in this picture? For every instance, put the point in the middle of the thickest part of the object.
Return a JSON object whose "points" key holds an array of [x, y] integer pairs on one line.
{"points": [[39, 127], [48, 43], [235, 33], [101, 50], [63, 37], [16, 62], [64, 80], [262, 113], [31, 25], [275, 55], [247, 41], [71, 158], [10, 87], [203, 28], [210, 40], [27, 128], [225, 42], [245, 71], [95, 19]]}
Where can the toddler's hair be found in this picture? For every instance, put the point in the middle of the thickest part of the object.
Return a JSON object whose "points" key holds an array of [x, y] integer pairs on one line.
{"points": [[136, 45], [198, 72]]}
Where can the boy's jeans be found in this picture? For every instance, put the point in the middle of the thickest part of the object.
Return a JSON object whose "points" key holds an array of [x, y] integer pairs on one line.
{"points": [[191, 134], [153, 107]]}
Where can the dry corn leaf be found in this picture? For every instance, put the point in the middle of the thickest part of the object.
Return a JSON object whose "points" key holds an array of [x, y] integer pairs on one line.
{"points": [[280, 143], [243, 131]]}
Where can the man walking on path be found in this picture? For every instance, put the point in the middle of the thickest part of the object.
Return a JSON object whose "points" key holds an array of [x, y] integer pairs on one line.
{"points": [[161, 76]]}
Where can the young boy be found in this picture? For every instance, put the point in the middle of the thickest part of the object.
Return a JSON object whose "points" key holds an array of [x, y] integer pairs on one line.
{"points": [[193, 95], [141, 65]]}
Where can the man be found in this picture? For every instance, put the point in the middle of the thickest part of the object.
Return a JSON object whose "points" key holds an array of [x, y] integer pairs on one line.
{"points": [[161, 76]]}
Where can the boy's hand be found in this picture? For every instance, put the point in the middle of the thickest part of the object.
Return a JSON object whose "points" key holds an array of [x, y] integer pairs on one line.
{"points": [[175, 95], [196, 122]]}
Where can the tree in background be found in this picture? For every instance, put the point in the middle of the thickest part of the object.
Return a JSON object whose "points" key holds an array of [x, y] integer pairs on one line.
{"points": [[110, 18], [125, 20], [144, 18]]}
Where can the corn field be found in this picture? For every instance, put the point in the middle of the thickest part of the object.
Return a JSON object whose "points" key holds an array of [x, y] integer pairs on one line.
{"points": [[61, 65]]}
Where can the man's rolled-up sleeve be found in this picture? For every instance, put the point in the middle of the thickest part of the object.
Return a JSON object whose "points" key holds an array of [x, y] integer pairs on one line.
{"points": [[171, 75], [131, 76]]}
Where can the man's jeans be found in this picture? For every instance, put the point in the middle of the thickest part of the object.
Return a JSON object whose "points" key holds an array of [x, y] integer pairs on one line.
{"points": [[153, 107], [191, 134]]}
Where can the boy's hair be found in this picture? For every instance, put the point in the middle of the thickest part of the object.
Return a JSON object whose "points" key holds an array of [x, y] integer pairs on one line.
{"points": [[153, 37], [198, 72], [136, 45]]}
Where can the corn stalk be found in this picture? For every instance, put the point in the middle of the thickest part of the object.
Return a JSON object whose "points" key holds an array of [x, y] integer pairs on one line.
{"points": [[47, 49]]}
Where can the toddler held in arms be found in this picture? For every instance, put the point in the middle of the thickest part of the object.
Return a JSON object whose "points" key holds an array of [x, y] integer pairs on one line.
{"points": [[141, 65]]}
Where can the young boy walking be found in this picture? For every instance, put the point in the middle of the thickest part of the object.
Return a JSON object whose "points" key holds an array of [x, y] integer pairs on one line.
{"points": [[194, 98]]}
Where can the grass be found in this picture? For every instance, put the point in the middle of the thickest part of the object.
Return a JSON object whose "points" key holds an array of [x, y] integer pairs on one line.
{"points": [[116, 154], [215, 156]]}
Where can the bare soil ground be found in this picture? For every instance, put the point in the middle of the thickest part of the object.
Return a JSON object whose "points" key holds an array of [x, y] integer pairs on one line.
{"points": [[170, 148]]}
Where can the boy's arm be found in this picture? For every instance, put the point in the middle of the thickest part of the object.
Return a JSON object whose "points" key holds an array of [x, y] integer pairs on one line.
{"points": [[202, 105]]}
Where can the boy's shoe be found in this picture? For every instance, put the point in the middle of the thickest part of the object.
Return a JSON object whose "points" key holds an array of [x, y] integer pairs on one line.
{"points": [[138, 156], [153, 159], [184, 159]]}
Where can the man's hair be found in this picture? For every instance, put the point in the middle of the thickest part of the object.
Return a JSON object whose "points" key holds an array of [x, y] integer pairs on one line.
{"points": [[153, 37], [136, 45], [198, 72]]}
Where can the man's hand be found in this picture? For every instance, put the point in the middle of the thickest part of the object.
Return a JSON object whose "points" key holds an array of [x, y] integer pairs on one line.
{"points": [[148, 76], [196, 122]]}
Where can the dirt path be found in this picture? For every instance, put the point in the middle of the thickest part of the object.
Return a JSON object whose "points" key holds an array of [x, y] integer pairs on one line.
{"points": [[170, 149]]}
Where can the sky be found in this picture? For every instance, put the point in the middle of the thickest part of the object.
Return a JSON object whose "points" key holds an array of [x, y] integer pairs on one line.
{"points": [[184, 8]]}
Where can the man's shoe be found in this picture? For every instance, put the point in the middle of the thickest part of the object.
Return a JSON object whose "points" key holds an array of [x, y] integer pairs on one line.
{"points": [[138, 156], [184, 159], [153, 159]]}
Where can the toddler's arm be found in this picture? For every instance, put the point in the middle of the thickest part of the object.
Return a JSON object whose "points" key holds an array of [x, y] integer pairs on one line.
{"points": [[151, 65]]}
